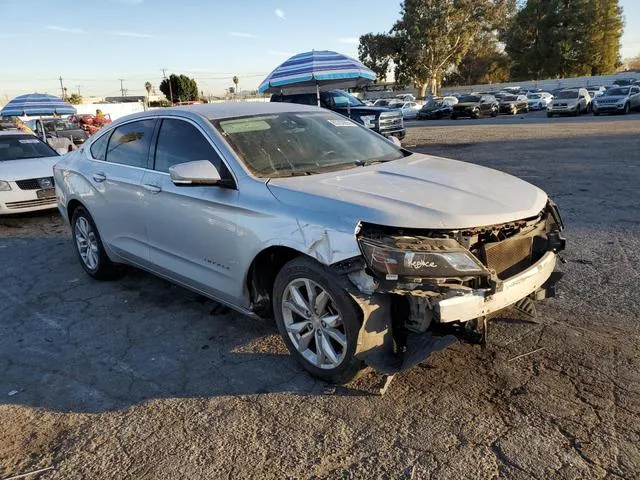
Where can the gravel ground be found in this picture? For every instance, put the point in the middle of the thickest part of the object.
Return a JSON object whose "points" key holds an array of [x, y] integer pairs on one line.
{"points": [[141, 379]]}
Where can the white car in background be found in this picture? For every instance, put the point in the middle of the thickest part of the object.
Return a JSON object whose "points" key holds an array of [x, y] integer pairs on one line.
{"points": [[406, 97], [26, 173], [539, 100], [408, 109], [596, 91]]}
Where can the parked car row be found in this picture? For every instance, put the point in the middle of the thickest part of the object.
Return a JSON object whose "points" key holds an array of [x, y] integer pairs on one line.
{"points": [[566, 101]]}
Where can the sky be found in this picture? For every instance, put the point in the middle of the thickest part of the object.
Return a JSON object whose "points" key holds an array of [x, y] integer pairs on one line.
{"points": [[92, 44]]}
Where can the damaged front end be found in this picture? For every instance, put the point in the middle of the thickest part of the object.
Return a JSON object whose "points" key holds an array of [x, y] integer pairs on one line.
{"points": [[420, 289]]}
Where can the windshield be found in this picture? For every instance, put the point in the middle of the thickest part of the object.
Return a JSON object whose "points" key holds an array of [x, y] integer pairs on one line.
{"points": [[342, 99], [509, 98], [470, 99], [618, 91], [432, 104], [303, 143], [568, 94], [534, 96], [60, 125], [19, 147]]}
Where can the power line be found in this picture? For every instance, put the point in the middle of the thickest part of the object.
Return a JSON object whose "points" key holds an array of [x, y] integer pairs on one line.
{"points": [[62, 89], [164, 75]]}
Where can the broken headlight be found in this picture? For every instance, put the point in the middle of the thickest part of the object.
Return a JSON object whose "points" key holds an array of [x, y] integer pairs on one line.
{"points": [[436, 258]]}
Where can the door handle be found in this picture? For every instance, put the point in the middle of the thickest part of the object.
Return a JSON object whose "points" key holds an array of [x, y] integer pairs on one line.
{"points": [[99, 177], [151, 188]]}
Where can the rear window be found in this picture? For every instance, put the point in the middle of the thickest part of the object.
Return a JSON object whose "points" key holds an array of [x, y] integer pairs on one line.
{"points": [[99, 147], [19, 147], [302, 99]]}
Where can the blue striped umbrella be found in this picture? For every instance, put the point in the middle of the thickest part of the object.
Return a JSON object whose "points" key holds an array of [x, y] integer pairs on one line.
{"points": [[316, 69], [36, 104]]}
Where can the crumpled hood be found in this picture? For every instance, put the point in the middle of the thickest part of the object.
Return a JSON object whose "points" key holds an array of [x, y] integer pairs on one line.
{"points": [[27, 168], [419, 191]]}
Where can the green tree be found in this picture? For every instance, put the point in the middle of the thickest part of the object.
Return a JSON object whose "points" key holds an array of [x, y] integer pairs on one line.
{"points": [[235, 81], [432, 37], [375, 51], [484, 62], [607, 32], [558, 38], [183, 88], [74, 99]]}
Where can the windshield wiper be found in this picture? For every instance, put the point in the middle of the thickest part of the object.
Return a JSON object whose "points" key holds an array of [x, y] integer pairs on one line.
{"points": [[364, 163]]}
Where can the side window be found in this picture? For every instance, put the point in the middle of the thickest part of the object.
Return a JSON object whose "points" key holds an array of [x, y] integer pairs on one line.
{"points": [[99, 147], [180, 142], [129, 143]]}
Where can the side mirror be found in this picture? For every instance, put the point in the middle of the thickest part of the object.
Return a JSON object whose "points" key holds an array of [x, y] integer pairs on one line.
{"points": [[200, 172]]}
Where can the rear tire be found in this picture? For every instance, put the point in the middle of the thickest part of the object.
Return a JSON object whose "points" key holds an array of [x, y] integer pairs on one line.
{"points": [[89, 247], [322, 335]]}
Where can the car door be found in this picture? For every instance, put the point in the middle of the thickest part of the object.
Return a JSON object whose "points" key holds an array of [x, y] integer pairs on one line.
{"points": [[635, 97], [485, 105], [191, 229], [118, 161]]}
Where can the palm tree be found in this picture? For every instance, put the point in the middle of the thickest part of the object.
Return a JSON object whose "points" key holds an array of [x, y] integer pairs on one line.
{"points": [[236, 80], [148, 87]]}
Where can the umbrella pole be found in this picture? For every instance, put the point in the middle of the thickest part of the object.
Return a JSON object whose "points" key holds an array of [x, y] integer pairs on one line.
{"points": [[317, 92]]}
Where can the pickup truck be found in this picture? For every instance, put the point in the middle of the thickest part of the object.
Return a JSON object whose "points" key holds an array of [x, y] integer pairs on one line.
{"points": [[383, 120], [58, 128]]}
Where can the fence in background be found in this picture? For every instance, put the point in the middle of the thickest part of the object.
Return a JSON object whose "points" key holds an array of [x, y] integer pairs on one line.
{"points": [[114, 110], [550, 84]]}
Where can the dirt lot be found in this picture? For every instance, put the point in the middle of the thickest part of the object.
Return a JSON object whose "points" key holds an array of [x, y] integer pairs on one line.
{"points": [[141, 379]]}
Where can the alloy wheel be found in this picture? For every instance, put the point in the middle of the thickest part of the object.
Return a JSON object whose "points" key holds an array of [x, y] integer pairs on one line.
{"points": [[314, 324], [87, 243]]}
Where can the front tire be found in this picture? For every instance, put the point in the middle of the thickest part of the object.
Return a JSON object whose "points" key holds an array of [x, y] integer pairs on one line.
{"points": [[318, 320], [627, 108], [89, 247]]}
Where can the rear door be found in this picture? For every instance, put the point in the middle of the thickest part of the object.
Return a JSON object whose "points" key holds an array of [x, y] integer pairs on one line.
{"points": [[192, 230], [119, 161]]}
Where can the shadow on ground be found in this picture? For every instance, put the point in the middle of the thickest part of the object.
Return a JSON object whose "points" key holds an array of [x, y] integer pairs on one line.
{"points": [[68, 342]]}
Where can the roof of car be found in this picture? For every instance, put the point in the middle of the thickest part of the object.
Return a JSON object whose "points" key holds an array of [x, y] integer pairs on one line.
{"points": [[238, 109], [14, 132]]}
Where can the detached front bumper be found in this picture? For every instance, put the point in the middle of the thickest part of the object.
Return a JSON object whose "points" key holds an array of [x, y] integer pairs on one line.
{"points": [[479, 303]]}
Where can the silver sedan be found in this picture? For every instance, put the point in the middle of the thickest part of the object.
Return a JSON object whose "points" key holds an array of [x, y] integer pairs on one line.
{"points": [[357, 247]]}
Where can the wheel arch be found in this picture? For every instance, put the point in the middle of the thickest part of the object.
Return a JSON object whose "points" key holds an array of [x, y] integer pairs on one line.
{"points": [[262, 274], [72, 206]]}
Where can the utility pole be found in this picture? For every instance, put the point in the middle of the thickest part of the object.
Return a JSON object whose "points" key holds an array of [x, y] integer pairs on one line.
{"points": [[62, 89], [78, 86], [121, 86], [164, 75]]}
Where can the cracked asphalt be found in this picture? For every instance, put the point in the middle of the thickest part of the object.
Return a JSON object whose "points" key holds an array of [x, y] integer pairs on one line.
{"points": [[140, 379]]}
